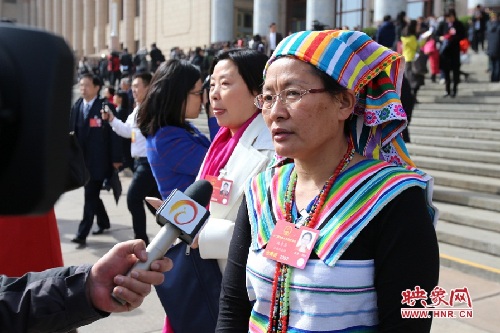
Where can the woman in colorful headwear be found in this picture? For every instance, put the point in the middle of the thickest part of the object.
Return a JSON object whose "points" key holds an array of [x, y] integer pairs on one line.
{"points": [[331, 101]]}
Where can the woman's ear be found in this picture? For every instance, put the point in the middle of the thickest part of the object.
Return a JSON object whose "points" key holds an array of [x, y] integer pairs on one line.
{"points": [[347, 100]]}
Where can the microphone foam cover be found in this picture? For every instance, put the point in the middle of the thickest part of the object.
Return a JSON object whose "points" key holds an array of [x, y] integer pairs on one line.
{"points": [[200, 191]]}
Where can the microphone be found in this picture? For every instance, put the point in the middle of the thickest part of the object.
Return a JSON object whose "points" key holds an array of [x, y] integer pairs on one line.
{"points": [[182, 216]]}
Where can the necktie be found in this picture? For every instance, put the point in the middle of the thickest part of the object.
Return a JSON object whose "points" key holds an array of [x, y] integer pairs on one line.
{"points": [[86, 109]]}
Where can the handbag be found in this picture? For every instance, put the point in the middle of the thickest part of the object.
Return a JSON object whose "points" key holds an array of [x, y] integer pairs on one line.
{"points": [[190, 292], [78, 175]]}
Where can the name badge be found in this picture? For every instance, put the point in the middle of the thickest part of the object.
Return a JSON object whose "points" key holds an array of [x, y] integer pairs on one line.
{"points": [[132, 136], [95, 122], [291, 245], [222, 189]]}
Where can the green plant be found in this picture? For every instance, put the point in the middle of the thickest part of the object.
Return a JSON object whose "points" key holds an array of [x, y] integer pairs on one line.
{"points": [[370, 31]]}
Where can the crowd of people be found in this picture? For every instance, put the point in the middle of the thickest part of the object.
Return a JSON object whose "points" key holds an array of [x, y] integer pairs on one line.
{"points": [[440, 45]]}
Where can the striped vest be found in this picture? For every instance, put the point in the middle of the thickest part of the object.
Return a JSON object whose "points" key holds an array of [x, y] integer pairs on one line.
{"points": [[329, 294]]}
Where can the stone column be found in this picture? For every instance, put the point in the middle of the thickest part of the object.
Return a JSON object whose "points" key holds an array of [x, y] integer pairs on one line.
{"points": [[222, 21], [77, 18], [129, 25], [322, 11], [265, 12], [67, 21], [57, 12], [33, 13], [48, 15], [114, 41], [142, 24], [88, 26], [387, 7], [101, 14], [40, 14]]}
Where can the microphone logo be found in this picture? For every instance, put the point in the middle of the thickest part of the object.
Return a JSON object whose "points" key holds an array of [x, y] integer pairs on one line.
{"points": [[180, 208]]}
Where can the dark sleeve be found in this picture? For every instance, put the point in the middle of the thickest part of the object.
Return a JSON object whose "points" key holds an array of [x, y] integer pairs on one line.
{"points": [[54, 300], [234, 306], [406, 255]]}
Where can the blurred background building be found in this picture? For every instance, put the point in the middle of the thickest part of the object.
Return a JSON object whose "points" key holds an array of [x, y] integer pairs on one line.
{"points": [[92, 27]]}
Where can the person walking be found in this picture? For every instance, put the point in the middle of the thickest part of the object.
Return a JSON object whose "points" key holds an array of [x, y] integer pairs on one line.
{"points": [[386, 33], [450, 32], [493, 50], [157, 57], [102, 153], [345, 176], [143, 183]]}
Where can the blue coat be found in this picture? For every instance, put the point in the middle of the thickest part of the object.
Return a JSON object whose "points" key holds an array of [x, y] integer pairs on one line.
{"points": [[386, 34]]}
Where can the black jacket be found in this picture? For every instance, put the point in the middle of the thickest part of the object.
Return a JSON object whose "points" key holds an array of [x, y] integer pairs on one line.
{"points": [[101, 145], [54, 300]]}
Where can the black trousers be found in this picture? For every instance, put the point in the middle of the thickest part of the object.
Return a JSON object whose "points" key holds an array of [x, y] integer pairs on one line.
{"points": [[93, 206], [143, 184]]}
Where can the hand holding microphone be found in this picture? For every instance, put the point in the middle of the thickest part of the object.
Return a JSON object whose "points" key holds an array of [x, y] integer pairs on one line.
{"points": [[182, 216]]}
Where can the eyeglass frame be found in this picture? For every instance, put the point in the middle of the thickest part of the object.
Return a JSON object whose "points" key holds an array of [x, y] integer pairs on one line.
{"points": [[284, 101]]}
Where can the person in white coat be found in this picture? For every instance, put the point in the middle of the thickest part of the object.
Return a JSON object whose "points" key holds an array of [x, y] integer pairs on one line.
{"points": [[241, 149]]}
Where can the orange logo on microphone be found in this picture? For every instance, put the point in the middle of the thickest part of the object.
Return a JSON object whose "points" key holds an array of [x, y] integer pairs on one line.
{"points": [[181, 204]]}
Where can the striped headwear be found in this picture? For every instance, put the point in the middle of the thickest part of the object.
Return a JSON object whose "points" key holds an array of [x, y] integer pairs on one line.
{"points": [[373, 72]]}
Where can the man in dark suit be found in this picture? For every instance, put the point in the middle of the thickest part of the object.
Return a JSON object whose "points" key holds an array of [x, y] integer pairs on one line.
{"points": [[102, 152], [273, 39]]}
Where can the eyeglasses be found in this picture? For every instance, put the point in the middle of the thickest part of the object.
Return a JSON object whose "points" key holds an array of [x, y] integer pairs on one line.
{"points": [[199, 92], [287, 96]]}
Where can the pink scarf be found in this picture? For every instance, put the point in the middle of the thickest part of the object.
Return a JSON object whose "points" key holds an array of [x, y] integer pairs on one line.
{"points": [[222, 148]]}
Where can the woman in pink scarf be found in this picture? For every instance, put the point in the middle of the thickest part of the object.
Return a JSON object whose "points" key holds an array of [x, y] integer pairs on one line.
{"points": [[241, 149]]}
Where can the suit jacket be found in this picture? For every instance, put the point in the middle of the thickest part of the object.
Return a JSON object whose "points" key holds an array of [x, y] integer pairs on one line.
{"points": [[101, 146]]}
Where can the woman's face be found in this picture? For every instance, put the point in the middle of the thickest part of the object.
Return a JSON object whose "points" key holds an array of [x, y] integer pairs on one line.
{"points": [[193, 102], [230, 99], [117, 100], [310, 126]]}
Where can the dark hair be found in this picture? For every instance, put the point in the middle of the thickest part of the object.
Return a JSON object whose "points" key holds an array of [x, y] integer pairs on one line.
{"points": [[387, 18], [250, 64], [124, 97], [96, 81], [165, 101], [410, 29], [111, 90], [146, 77]]}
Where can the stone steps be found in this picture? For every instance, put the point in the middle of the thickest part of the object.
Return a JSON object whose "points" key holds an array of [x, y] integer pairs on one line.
{"points": [[459, 154], [469, 216], [465, 197], [470, 261], [459, 166], [480, 124], [417, 131], [469, 237], [469, 182], [455, 142]]}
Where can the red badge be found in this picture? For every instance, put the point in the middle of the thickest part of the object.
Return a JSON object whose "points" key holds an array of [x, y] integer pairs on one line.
{"points": [[95, 122], [222, 189], [290, 245]]}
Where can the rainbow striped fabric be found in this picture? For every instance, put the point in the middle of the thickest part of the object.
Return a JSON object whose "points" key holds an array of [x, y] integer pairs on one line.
{"points": [[357, 196], [373, 72]]}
